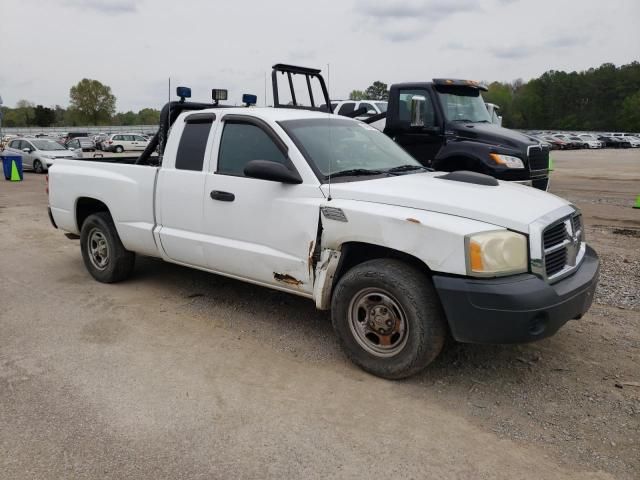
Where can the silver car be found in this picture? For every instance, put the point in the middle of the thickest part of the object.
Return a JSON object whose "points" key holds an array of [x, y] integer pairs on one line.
{"points": [[38, 154]]}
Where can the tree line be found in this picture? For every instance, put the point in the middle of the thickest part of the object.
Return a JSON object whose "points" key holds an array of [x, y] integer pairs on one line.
{"points": [[90, 103], [606, 98]]}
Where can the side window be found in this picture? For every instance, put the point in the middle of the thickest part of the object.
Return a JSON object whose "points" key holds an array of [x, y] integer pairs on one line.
{"points": [[140, 139], [347, 108], [192, 145], [128, 138], [404, 106], [15, 144], [28, 145], [371, 110], [117, 138], [243, 142]]}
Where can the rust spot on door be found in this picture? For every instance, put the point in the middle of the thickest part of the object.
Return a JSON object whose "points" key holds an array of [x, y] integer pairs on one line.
{"points": [[286, 278], [413, 220]]}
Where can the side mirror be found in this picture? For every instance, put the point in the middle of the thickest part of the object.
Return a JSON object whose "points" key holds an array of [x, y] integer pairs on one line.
{"points": [[26, 150], [418, 103], [274, 171], [371, 112]]}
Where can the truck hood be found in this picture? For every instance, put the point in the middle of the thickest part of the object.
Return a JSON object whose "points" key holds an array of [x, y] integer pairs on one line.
{"points": [[491, 133], [507, 205]]}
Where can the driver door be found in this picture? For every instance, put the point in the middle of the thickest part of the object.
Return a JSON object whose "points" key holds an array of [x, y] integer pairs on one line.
{"points": [[422, 144], [259, 230]]}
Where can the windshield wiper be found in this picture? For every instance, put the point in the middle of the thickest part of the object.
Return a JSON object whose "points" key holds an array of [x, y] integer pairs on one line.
{"points": [[355, 172], [407, 168], [463, 120]]}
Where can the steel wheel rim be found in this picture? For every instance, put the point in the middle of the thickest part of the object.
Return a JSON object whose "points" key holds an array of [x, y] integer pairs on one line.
{"points": [[98, 249], [378, 322]]}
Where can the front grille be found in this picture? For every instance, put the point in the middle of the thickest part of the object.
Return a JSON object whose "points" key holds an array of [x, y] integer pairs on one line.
{"points": [[538, 158], [562, 246]]}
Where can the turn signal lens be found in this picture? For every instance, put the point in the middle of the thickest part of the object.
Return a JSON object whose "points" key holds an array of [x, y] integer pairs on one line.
{"points": [[508, 161]]}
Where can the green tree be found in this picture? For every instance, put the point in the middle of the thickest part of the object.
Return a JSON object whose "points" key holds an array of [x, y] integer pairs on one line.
{"points": [[125, 118], [93, 101], [630, 116], [44, 116], [357, 95], [377, 91], [148, 116]]}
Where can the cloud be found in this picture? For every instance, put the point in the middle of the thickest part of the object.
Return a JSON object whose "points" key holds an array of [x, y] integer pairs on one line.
{"points": [[111, 7], [565, 41], [406, 20]]}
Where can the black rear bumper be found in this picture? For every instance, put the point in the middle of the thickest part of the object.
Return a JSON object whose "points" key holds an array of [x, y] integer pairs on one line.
{"points": [[516, 309]]}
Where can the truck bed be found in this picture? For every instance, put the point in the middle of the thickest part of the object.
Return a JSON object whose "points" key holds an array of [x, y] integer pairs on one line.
{"points": [[127, 189]]}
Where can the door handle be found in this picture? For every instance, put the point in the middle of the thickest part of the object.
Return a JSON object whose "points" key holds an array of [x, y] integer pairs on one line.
{"points": [[222, 196]]}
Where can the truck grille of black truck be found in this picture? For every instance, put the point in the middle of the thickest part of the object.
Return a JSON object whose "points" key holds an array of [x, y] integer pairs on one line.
{"points": [[538, 158], [562, 244]]}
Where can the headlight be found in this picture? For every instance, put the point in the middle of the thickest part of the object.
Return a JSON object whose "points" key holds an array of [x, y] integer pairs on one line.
{"points": [[497, 253], [49, 157], [507, 160]]}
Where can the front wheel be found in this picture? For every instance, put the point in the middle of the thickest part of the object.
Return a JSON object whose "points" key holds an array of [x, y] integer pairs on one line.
{"points": [[104, 256], [388, 318], [37, 166], [119, 149]]}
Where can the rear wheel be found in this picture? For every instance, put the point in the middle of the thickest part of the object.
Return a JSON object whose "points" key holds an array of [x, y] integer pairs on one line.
{"points": [[37, 166], [104, 256], [119, 149], [388, 318]]}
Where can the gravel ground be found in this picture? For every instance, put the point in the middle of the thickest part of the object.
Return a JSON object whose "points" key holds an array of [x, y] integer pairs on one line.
{"points": [[181, 374]]}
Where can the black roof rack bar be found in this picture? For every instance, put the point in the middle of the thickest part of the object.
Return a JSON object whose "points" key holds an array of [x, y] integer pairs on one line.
{"points": [[291, 70], [282, 67]]}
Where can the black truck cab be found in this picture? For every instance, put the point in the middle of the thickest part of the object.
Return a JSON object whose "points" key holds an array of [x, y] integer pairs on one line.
{"points": [[445, 125]]}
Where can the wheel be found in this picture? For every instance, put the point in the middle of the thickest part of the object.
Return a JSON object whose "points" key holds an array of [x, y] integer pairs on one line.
{"points": [[119, 149], [388, 318], [104, 256], [37, 166]]}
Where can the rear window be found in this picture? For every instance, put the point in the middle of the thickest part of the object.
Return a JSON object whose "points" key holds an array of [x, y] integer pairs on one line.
{"points": [[193, 144]]}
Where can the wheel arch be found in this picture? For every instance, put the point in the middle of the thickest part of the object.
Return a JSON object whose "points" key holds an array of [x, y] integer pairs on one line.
{"points": [[86, 206], [355, 253]]}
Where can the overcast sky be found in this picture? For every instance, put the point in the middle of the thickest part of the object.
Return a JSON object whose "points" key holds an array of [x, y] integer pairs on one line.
{"points": [[134, 46]]}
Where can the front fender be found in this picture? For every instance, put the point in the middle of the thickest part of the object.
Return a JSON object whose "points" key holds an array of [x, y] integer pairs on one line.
{"points": [[434, 238]]}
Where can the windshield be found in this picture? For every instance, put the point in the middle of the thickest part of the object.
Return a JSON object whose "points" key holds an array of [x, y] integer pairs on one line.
{"points": [[463, 104], [47, 145], [335, 145], [382, 106]]}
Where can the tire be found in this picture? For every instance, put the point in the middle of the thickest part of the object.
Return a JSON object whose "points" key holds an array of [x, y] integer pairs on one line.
{"points": [[118, 149], [399, 295], [104, 256], [37, 166]]}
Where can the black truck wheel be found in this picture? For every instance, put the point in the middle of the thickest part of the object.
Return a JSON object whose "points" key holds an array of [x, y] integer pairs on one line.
{"points": [[104, 256], [388, 318]]}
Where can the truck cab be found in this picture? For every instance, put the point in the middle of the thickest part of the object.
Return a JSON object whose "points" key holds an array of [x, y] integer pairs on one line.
{"points": [[445, 125]]}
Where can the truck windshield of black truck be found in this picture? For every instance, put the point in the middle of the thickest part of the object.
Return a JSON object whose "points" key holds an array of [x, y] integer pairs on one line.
{"points": [[463, 104]]}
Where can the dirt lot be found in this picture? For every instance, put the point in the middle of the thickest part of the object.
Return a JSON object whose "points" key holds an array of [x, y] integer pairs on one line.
{"points": [[181, 374]]}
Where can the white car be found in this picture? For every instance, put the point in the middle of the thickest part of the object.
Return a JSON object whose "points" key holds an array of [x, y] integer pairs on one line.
{"points": [[120, 142], [330, 209], [586, 142], [345, 107], [38, 154], [633, 141]]}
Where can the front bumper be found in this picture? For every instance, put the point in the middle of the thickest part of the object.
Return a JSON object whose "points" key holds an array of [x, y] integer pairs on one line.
{"points": [[516, 309]]}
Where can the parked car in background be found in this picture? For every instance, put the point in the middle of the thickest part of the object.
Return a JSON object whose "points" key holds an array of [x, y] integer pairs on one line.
{"points": [[585, 142], [634, 142], [556, 143], [37, 154], [83, 143], [120, 142], [614, 142], [346, 107], [99, 140], [569, 144], [71, 135]]}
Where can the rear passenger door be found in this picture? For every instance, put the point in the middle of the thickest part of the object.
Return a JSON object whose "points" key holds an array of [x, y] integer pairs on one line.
{"points": [[180, 191]]}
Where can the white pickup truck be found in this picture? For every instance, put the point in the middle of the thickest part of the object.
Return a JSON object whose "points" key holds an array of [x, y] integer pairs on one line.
{"points": [[329, 208]]}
